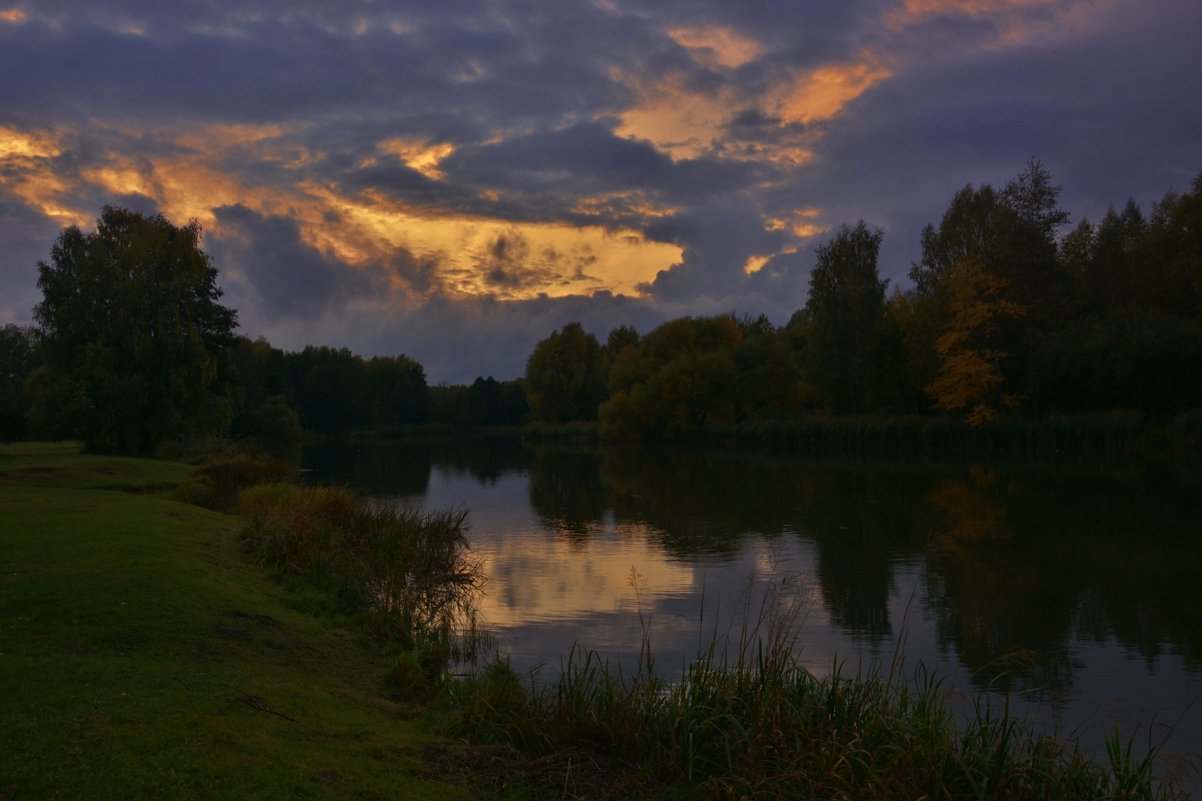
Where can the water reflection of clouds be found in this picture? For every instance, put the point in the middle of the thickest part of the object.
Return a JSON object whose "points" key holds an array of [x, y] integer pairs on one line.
{"points": [[558, 578], [1029, 584]]}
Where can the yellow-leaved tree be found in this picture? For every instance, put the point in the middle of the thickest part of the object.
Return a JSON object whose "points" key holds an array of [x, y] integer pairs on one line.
{"points": [[970, 376]]}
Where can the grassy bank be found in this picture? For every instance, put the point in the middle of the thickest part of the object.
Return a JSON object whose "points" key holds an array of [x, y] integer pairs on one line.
{"points": [[763, 727], [142, 655], [153, 649]]}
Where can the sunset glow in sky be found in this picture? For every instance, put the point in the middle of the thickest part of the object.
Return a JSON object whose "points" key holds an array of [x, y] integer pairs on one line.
{"points": [[453, 181]]}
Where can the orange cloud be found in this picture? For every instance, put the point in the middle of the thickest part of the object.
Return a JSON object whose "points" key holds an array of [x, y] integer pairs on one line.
{"points": [[28, 173], [686, 124], [678, 122], [801, 223], [755, 263], [559, 258], [364, 230], [27, 144], [822, 93], [419, 154], [13, 16], [1012, 26], [723, 46], [632, 202], [970, 8]]}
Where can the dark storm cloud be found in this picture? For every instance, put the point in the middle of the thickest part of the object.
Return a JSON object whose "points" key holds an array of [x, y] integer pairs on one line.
{"points": [[27, 238], [1109, 114], [290, 278], [533, 104]]}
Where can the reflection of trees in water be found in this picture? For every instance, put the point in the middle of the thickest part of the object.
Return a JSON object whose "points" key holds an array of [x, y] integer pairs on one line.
{"points": [[567, 493], [485, 459], [369, 467], [1004, 610], [1019, 562], [861, 522], [403, 468], [1020, 568], [696, 502]]}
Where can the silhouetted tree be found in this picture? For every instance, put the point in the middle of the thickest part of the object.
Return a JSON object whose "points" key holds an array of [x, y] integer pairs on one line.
{"points": [[845, 307], [132, 333], [565, 377], [18, 358]]}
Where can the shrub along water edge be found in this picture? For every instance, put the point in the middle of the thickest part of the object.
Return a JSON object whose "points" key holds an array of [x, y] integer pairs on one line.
{"points": [[744, 721], [405, 572], [759, 725]]}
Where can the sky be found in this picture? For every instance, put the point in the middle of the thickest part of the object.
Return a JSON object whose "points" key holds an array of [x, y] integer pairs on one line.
{"points": [[453, 180]]}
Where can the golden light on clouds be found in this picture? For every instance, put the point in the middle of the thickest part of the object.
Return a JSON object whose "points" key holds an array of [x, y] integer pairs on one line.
{"points": [[971, 8], [678, 122], [822, 93], [419, 155], [631, 202], [802, 223], [1011, 25], [27, 144], [27, 171], [13, 16], [755, 263], [718, 45], [479, 255]]}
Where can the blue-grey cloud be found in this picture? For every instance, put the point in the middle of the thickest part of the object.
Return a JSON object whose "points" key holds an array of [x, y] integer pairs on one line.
{"points": [[532, 102]]}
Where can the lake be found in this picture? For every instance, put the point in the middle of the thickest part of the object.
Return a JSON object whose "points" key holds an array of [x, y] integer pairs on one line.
{"points": [[1072, 587]]}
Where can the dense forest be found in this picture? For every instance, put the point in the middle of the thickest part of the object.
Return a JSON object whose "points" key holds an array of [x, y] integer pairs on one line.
{"points": [[1012, 314], [1009, 316]]}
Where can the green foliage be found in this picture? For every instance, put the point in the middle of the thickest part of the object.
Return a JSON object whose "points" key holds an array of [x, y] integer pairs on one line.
{"points": [[217, 482], [1130, 358], [484, 402], [144, 657], [406, 572], [845, 310], [132, 335], [747, 720], [332, 391], [693, 372], [18, 359], [565, 378], [276, 428]]}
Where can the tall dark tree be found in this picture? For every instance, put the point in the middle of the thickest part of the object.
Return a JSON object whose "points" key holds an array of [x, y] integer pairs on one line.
{"points": [[845, 308], [18, 357], [132, 332], [565, 376]]}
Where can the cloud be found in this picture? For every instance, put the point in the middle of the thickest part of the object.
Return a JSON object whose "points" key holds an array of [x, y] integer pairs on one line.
{"points": [[367, 170], [289, 278]]}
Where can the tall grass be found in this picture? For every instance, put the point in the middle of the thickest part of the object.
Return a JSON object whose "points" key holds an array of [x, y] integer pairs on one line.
{"points": [[407, 573], [749, 721], [218, 480]]}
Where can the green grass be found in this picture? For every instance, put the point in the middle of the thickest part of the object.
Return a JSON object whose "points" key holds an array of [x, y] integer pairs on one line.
{"points": [[756, 724], [143, 656]]}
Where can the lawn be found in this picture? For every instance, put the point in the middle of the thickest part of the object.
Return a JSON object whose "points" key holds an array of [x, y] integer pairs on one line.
{"points": [[142, 655]]}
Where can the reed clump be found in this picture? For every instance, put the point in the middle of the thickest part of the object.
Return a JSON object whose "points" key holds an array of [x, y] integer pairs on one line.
{"points": [[218, 480], [762, 726], [405, 572]]}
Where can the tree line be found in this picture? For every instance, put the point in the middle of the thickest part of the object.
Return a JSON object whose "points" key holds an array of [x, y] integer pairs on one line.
{"points": [[1011, 314], [132, 349]]}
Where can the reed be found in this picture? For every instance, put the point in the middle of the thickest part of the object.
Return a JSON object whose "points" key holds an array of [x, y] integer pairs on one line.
{"points": [[749, 721], [405, 572]]}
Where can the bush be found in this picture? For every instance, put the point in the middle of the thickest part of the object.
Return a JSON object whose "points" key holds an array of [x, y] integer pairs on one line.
{"points": [[216, 483], [405, 571]]}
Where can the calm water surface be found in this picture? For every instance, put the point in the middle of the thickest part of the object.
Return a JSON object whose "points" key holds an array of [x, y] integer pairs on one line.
{"points": [[1072, 588]]}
